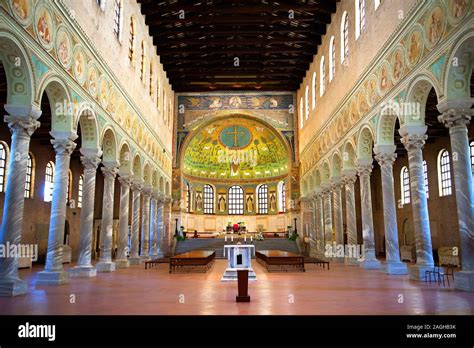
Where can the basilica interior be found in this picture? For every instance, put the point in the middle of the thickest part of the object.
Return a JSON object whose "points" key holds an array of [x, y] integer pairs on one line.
{"points": [[146, 143]]}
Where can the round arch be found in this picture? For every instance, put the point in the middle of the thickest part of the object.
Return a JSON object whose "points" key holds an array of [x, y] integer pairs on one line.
{"points": [[125, 162], [365, 142], [18, 70], [109, 146], [87, 120]]}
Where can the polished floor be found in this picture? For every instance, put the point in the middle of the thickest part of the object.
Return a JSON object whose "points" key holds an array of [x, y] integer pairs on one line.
{"points": [[341, 290]]}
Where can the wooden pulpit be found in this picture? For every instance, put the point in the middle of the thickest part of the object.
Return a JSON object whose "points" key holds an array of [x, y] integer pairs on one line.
{"points": [[243, 286]]}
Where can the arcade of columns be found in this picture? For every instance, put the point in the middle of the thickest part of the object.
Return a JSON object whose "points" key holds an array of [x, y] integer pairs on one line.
{"points": [[32, 69], [155, 211], [447, 67]]}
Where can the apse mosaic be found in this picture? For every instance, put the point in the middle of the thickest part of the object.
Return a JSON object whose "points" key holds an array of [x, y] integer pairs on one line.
{"points": [[235, 148]]}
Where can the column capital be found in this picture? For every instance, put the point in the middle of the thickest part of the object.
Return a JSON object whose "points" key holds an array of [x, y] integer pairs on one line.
{"points": [[336, 183], [90, 162], [147, 190], [456, 117], [109, 172], [137, 186], [349, 176], [64, 147], [125, 180], [364, 169], [386, 159], [167, 199], [22, 123]]}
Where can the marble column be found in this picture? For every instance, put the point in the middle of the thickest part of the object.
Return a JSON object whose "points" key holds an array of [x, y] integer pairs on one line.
{"points": [[328, 241], [393, 262], [457, 120], [338, 213], [84, 266], [153, 227], [105, 263], [159, 226], [145, 245], [319, 223], [414, 143], [352, 254], [364, 169], [54, 273], [167, 236], [122, 249], [136, 195], [21, 128], [308, 201]]}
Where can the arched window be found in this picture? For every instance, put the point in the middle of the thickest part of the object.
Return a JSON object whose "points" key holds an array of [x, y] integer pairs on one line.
{"points": [[281, 197], [471, 146], [30, 167], [313, 91], [405, 185], [332, 58], [344, 37], [117, 18], [3, 165], [262, 199], [360, 17], [158, 99], [236, 200], [152, 77], [444, 173], [69, 185], [322, 77], [131, 48], [377, 3], [188, 198], [143, 62], [208, 199], [301, 113], [48, 182], [306, 101], [425, 177], [80, 191]]}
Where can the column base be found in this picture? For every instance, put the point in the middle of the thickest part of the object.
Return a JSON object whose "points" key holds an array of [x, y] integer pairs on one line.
{"points": [[145, 258], [417, 272], [370, 264], [352, 261], [105, 266], [464, 280], [122, 264], [83, 272], [52, 278], [396, 268], [10, 287], [135, 261], [318, 255]]}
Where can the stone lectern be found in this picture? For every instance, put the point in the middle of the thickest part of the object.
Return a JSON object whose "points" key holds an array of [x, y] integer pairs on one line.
{"points": [[238, 257]]}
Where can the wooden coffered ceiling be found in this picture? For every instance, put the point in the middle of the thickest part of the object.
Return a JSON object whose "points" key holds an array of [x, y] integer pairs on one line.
{"points": [[236, 45]]}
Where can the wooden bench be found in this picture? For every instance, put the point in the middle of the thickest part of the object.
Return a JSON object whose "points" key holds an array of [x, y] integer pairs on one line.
{"points": [[316, 261], [193, 261], [280, 261], [156, 262]]}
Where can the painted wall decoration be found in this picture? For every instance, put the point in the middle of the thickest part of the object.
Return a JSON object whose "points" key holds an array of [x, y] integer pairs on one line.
{"points": [[22, 10], [237, 148], [437, 20], [63, 47], [44, 26]]}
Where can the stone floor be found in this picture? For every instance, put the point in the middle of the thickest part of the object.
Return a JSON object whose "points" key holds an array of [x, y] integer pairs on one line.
{"points": [[342, 290]]}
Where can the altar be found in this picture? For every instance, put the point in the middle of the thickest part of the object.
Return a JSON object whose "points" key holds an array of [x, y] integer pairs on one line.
{"points": [[238, 257]]}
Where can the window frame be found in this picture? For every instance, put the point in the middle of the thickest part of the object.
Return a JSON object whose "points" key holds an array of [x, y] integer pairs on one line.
{"points": [[49, 179], [208, 199], [262, 196], [322, 76], [80, 191], [4, 152], [30, 172], [444, 173], [405, 191], [235, 200]]}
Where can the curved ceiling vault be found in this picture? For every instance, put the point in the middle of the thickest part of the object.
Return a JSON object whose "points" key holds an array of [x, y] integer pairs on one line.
{"points": [[235, 148]]}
